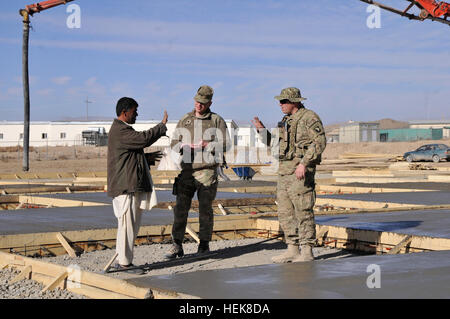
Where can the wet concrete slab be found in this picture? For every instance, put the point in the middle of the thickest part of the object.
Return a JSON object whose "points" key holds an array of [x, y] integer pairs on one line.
{"points": [[417, 198], [434, 223], [26, 221], [23, 221], [419, 275]]}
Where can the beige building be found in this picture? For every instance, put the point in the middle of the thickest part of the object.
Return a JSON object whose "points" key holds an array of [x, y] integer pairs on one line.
{"points": [[355, 132]]}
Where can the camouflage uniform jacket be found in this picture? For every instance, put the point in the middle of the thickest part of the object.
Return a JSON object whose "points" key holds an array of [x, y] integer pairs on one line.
{"points": [[301, 140], [211, 128]]}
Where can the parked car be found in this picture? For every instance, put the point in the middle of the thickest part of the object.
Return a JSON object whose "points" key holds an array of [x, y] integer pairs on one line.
{"points": [[429, 152]]}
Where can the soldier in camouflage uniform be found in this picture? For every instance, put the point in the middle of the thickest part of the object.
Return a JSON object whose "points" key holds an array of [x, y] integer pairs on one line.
{"points": [[301, 143], [201, 137]]}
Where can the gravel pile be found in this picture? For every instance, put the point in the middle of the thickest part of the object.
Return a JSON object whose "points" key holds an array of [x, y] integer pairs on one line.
{"points": [[28, 289]]}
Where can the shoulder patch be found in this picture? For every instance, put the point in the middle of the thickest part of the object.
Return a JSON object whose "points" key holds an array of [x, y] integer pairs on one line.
{"points": [[317, 127]]}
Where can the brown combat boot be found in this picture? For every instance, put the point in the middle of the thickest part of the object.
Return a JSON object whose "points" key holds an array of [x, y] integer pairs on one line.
{"points": [[289, 254], [306, 254]]}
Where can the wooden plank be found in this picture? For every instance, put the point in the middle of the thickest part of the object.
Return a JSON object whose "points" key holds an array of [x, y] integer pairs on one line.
{"points": [[224, 212], [193, 234], [80, 289], [58, 279], [84, 277], [56, 202], [407, 240], [351, 189], [24, 274], [360, 204], [439, 178], [66, 245], [364, 172], [96, 293], [377, 180], [108, 265]]}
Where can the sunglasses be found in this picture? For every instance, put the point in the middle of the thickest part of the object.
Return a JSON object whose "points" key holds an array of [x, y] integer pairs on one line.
{"points": [[285, 101]]}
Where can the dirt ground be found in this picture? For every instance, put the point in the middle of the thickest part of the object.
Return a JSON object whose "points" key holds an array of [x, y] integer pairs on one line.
{"points": [[93, 159]]}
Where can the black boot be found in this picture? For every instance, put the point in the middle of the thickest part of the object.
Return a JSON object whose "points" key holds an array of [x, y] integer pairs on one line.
{"points": [[176, 250], [203, 247]]}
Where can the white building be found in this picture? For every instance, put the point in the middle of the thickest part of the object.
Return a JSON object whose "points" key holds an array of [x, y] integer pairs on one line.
{"points": [[248, 136], [429, 124], [70, 133]]}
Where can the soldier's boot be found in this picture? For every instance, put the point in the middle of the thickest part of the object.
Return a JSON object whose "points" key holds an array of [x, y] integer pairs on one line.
{"points": [[203, 247], [289, 255], [306, 254], [176, 250]]}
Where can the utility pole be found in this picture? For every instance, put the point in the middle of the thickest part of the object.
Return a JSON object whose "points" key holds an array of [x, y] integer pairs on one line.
{"points": [[87, 108]]}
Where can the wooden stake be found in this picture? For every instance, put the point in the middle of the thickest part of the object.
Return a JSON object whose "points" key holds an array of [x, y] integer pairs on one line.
{"points": [[192, 233], [24, 274], [224, 212], [52, 285], [108, 265], [66, 245], [407, 240]]}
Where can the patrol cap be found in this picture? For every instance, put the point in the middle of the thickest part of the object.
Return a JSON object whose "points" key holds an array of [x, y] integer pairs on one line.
{"points": [[204, 94], [292, 94]]}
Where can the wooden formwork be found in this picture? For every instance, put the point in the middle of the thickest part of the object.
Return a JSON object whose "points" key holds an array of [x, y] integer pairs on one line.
{"points": [[87, 240], [81, 282], [240, 226], [26, 200], [338, 189], [50, 189], [362, 240]]}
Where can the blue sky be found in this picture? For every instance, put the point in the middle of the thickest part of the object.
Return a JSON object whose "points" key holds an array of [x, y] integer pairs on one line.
{"points": [[160, 52]]}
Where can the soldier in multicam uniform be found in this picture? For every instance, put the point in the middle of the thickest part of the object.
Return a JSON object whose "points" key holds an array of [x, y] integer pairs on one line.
{"points": [[201, 138], [301, 142]]}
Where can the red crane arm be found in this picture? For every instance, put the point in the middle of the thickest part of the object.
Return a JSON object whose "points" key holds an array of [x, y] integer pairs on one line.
{"points": [[435, 8], [44, 5], [429, 9]]}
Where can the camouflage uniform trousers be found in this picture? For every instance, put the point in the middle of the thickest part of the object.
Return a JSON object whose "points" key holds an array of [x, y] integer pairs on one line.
{"points": [[295, 209], [186, 185]]}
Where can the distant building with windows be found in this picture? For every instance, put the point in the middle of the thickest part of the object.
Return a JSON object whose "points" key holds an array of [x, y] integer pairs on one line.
{"points": [[70, 133], [356, 132]]}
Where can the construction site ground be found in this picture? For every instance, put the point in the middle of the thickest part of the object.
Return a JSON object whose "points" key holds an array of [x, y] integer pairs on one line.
{"points": [[371, 211]]}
